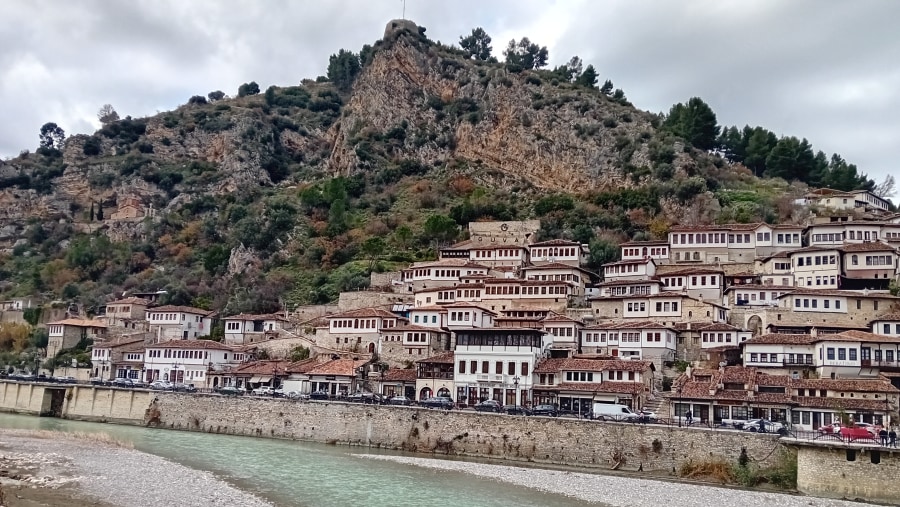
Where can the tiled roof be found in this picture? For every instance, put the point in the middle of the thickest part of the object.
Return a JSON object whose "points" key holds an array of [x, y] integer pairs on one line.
{"points": [[719, 227], [718, 326], [625, 324], [443, 358], [121, 342], [556, 242], [652, 242], [190, 344], [553, 265], [556, 365], [888, 317], [871, 246], [364, 313], [757, 286], [861, 385], [476, 285], [834, 292], [555, 317], [839, 403], [596, 387], [78, 323], [781, 339], [263, 367], [628, 282], [694, 271], [860, 336], [181, 309], [446, 263], [250, 316], [302, 366], [130, 301], [414, 327], [646, 260], [345, 367], [400, 375], [463, 304]]}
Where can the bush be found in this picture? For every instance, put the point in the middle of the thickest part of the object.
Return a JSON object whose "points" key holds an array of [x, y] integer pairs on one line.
{"points": [[533, 80], [91, 146]]}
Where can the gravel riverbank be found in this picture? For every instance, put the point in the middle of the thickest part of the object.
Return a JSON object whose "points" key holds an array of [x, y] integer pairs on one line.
{"points": [[617, 491], [50, 468]]}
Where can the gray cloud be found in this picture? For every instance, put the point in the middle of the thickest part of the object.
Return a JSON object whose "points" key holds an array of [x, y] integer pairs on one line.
{"points": [[826, 70]]}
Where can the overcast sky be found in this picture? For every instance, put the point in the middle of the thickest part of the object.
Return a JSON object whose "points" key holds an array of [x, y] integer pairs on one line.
{"points": [[827, 70]]}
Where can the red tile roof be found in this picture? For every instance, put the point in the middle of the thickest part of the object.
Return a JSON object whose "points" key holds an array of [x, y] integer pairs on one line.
{"points": [[364, 313], [860, 336], [190, 344], [250, 316], [130, 301], [263, 367], [872, 246], [555, 242], [888, 317], [781, 339], [302, 366], [180, 309], [344, 367], [78, 323]]}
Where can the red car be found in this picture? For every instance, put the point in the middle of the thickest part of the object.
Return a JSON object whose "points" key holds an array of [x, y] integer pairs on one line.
{"points": [[849, 433]]}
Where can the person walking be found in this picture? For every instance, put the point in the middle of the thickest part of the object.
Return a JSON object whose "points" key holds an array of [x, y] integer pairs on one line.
{"points": [[884, 437], [689, 418], [892, 438]]}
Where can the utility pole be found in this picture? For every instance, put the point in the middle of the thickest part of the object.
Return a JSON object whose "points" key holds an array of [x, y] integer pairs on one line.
{"points": [[404, 8]]}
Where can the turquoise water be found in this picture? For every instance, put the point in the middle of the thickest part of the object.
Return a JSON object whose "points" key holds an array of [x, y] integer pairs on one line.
{"points": [[309, 475]]}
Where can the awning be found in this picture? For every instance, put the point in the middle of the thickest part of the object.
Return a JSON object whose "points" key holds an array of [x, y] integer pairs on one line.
{"points": [[261, 378], [255, 380]]}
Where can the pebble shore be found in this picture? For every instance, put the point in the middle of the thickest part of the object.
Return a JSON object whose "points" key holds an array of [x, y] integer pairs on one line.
{"points": [[617, 491], [112, 475]]}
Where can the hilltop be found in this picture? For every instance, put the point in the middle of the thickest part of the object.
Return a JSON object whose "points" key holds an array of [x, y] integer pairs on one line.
{"points": [[289, 195]]}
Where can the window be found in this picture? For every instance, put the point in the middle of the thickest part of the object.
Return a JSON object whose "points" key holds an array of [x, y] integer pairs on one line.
{"points": [[853, 354], [498, 367], [830, 353], [842, 354], [524, 369], [754, 358], [484, 367], [511, 368]]}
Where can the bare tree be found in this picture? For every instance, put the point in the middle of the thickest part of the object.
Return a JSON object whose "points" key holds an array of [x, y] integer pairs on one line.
{"points": [[886, 188], [107, 114]]}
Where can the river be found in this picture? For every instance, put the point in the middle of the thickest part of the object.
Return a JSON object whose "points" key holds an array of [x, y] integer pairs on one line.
{"points": [[306, 474]]}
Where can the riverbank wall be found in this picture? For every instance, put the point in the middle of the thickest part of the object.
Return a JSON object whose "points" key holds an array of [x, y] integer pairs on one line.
{"points": [[560, 441]]}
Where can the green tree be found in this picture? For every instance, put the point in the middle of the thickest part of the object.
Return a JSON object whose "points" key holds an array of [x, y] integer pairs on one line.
{"points": [[525, 55], [759, 144], [695, 122], [403, 236], [216, 95], [790, 159], [588, 78], [373, 248], [440, 229], [607, 88], [600, 252], [299, 353], [246, 89], [343, 69], [477, 45], [52, 136]]}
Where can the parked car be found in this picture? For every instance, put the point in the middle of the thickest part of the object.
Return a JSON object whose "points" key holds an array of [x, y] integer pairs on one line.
{"points": [[97, 381], [437, 402], [613, 412], [763, 426], [296, 395], [400, 400], [318, 395], [161, 385], [489, 406], [184, 388], [123, 382], [546, 409], [65, 380], [518, 410], [230, 391], [263, 391]]}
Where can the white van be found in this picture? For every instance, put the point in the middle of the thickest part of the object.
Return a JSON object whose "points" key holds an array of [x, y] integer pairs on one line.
{"points": [[613, 412]]}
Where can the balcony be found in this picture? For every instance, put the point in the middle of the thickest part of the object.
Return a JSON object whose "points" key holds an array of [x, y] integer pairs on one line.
{"points": [[879, 363], [489, 378]]}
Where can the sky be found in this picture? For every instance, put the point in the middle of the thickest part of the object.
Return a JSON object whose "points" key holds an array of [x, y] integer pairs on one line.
{"points": [[826, 70]]}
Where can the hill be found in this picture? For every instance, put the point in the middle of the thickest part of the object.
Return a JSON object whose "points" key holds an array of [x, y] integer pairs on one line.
{"points": [[288, 196]]}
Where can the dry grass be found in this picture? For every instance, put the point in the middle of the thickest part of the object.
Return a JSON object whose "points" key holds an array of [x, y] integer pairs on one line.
{"points": [[99, 438], [707, 470]]}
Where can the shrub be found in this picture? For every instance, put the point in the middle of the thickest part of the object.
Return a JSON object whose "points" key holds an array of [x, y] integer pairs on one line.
{"points": [[91, 146], [533, 80]]}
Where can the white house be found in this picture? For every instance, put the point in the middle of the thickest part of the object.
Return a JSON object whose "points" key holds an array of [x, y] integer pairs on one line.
{"points": [[558, 250], [468, 316], [250, 328], [636, 250], [816, 266], [188, 361], [496, 364], [756, 294], [701, 283], [647, 340], [557, 271], [640, 269], [179, 322], [64, 334], [563, 332], [888, 325], [356, 330]]}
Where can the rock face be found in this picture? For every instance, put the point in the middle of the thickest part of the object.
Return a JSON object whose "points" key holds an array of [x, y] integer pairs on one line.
{"points": [[558, 137]]}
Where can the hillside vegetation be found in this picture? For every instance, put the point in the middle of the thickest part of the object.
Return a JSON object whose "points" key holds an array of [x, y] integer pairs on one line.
{"points": [[291, 194]]}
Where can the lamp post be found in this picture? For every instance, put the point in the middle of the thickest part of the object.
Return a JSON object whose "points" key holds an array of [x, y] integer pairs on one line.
{"points": [[677, 405], [516, 389], [174, 374], [274, 374]]}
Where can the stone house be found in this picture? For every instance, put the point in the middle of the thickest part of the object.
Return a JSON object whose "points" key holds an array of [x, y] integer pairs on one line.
{"points": [[356, 330], [65, 334], [434, 376], [339, 377], [128, 313], [251, 328], [171, 322], [109, 359]]}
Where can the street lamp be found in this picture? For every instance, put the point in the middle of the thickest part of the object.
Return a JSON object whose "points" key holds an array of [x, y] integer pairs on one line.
{"points": [[516, 389], [677, 405], [274, 374], [174, 374]]}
